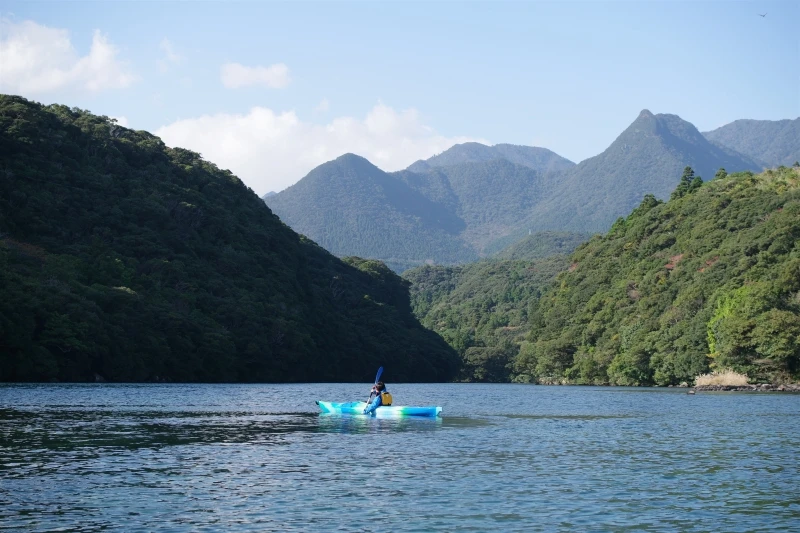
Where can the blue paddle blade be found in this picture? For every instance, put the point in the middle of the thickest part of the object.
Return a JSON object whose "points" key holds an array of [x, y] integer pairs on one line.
{"points": [[378, 375]]}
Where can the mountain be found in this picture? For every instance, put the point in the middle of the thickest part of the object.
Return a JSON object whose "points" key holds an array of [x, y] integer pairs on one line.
{"points": [[124, 260], [647, 158], [446, 215], [474, 200], [270, 193], [490, 197], [707, 280], [533, 157], [351, 207], [775, 142]]}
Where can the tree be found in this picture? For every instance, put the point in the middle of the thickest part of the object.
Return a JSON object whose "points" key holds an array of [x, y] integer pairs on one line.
{"points": [[688, 184]]}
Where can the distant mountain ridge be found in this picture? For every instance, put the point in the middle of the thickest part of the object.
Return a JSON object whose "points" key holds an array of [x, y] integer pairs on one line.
{"points": [[351, 207], [487, 195], [773, 142], [473, 200], [472, 152], [647, 158]]}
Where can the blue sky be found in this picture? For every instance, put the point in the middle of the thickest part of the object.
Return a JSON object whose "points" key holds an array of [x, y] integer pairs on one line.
{"points": [[271, 89]]}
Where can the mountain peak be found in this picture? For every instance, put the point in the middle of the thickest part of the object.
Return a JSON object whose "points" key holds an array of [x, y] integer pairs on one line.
{"points": [[540, 159], [646, 114], [350, 157]]}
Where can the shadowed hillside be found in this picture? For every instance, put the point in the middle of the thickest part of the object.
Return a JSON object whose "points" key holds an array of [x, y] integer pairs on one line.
{"points": [[122, 258]]}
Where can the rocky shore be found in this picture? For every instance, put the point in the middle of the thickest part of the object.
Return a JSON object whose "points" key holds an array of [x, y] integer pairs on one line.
{"points": [[759, 388]]}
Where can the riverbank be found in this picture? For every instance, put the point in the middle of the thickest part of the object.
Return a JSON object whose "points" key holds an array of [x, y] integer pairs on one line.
{"points": [[763, 387]]}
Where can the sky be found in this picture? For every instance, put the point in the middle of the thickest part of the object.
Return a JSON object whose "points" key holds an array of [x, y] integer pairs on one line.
{"points": [[270, 90]]}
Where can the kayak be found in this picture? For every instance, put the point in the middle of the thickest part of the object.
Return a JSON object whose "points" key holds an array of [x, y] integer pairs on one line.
{"points": [[384, 411]]}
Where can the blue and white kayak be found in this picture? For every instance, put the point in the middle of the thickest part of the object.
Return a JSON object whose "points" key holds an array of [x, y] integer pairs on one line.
{"points": [[384, 411]]}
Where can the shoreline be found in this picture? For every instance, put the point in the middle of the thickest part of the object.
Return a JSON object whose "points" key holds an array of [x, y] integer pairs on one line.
{"points": [[762, 387]]}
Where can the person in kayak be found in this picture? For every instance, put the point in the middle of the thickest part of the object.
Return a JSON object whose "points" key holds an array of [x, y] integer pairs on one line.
{"points": [[379, 396]]}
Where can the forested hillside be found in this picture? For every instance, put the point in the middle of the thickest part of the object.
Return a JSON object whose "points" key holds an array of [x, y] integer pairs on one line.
{"points": [[123, 259], [482, 309], [709, 279], [773, 142], [543, 244]]}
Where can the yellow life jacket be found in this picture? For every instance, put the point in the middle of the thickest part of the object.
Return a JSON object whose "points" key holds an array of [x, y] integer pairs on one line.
{"points": [[386, 398]]}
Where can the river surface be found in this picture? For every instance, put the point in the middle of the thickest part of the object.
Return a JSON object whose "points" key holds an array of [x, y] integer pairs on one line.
{"points": [[502, 458]]}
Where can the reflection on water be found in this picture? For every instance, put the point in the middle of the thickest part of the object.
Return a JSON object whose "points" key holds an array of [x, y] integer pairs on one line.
{"points": [[334, 423], [565, 417], [504, 457]]}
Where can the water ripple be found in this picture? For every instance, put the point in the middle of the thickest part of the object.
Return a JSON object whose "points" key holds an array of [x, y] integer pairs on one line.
{"points": [[504, 457]]}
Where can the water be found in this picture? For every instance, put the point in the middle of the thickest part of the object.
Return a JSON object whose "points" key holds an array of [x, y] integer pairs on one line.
{"points": [[504, 457]]}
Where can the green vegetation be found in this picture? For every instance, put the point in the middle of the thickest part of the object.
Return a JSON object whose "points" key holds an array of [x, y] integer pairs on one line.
{"points": [[544, 244], [122, 258], [482, 309], [773, 142], [708, 280]]}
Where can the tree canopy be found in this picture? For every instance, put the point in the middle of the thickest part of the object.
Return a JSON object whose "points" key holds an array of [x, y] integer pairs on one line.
{"points": [[125, 259], [710, 279]]}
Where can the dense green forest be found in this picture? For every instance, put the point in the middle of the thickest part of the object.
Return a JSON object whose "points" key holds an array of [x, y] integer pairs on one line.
{"points": [[543, 244], [482, 309], [709, 279], [125, 259]]}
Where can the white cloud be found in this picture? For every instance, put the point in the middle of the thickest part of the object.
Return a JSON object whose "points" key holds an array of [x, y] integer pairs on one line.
{"points": [[270, 151], [171, 57], [323, 106], [38, 59], [235, 75]]}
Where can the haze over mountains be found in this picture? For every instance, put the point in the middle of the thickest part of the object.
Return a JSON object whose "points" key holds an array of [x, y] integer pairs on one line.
{"points": [[474, 200], [527, 156], [773, 142], [647, 158]]}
